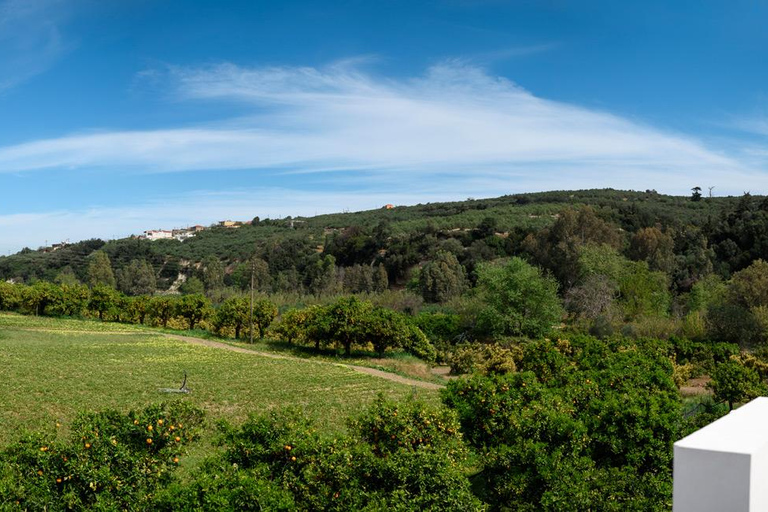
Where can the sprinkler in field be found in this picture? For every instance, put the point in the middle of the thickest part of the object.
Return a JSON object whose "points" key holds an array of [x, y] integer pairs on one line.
{"points": [[182, 389]]}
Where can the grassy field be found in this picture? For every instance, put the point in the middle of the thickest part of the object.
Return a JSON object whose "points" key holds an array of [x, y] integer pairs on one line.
{"points": [[52, 368]]}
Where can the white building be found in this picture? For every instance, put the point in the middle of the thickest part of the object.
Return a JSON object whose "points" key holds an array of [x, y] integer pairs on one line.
{"points": [[724, 466], [158, 234]]}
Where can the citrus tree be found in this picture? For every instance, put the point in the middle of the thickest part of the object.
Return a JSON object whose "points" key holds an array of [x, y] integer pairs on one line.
{"points": [[193, 307]]}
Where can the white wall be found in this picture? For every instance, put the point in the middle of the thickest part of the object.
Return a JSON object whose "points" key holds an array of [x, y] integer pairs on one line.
{"points": [[711, 481], [723, 467]]}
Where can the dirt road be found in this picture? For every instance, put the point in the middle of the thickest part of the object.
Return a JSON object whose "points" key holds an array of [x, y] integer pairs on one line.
{"points": [[362, 369]]}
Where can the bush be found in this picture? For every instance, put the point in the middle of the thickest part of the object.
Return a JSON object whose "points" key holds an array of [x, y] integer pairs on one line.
{"points": [[486, 359], [416, 343], [398, 456], [110, 461], [580, 423]]}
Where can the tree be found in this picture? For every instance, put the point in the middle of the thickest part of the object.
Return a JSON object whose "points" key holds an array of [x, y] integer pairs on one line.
{"points": [[292, 326], [693, 257], [345, 319], [696, 194], [384, 329], [137, 278], [193, 307], [557, 248], [103, 300], [641, 292], [73, 299], [262, 280], [317, 326], [213, 273], [39, 296], [100, 270], [139, 307], [192, 286], [749, 287], [734, 383], [581, 422], [10, 296], [163, 308], [442, 279], [358, 279], [321, 275], [234, 312], [593, 297], [66, 276], [654, 247], [380, 279], [519, 300], [264, 311], [487, 227]]}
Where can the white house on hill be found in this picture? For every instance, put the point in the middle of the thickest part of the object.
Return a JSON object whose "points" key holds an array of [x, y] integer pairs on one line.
{"points": [[158, 234]]}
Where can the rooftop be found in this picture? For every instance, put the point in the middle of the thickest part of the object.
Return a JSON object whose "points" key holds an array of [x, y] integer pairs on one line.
{"points": [[743, 430]]}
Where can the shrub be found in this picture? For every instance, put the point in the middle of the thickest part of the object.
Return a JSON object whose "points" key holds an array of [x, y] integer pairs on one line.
{"points": [[487, 359], [397, 456], [110, 461], [580, 423]]}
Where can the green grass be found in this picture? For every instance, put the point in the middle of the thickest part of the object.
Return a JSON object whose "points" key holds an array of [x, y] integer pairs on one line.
{"points": [[53, 368]]}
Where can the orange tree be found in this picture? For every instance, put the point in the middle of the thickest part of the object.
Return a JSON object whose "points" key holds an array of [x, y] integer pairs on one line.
{"points": [[343, 321], [292, 326], [162, 308], [580, 423], [103, 300], [73, 299], [734, 383], [139, 307], [110, 461], [232, 313], [264, 312], [397, 456], [10, 296], [193, 307]]}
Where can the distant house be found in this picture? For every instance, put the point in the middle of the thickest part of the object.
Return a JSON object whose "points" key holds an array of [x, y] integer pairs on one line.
{"points": [[230, 224], [196, 228], [388, 206], [182, 234], [61, 245], [158, 234]]}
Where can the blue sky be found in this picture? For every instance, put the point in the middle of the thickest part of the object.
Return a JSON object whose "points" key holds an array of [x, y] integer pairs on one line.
{"points": [[116, 117]]}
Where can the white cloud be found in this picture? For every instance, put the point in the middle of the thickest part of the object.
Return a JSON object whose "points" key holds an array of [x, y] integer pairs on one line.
{"points": [[455, 119], [452, 133]]}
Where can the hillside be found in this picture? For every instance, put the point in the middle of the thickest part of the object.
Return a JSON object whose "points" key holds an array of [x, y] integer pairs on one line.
{"points": [[397, 238]]}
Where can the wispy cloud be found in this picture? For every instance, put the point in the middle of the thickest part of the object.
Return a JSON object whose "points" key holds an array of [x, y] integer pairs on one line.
{"points": [[456, 120], [513, 52], [30, 39]]}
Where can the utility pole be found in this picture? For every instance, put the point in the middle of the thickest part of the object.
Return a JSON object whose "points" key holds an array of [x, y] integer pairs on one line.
{"points": [[253, 265]]}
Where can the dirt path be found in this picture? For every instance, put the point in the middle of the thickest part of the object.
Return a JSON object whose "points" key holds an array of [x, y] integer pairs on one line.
{"points": [[362, 369], [696, 387]]}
